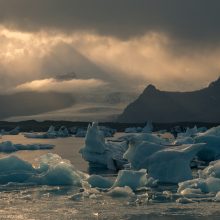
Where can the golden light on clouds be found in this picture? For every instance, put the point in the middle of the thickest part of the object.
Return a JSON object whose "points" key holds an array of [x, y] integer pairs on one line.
{"points": [[143, 60], [74, 85]]}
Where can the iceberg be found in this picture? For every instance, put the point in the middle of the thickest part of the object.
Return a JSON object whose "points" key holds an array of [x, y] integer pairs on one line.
{"points": [[142, 146], [215, 131], [63, 132], [99, 152], [211, 151], [136, 154], [168, 161], [212, 139], [52, 170], [14, 131], [99, 182], [81, 132], [14, 169], [190, 132], [171, 165], [148, 128], [132, 179], [208, 182], [50, 134]]}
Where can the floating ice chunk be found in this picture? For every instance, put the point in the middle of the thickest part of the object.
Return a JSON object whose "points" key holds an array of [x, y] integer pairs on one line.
{"points": [[98, 151], [14, 131], [184, 140], [133, 130], [77, 197], [213, 170], [136, 154], [119, 192], [53, 170], [209, 185], [63, 132], [171, 165], [215, 131], [36, 135], [13, 169], [95, 141], [50, 134], [133, 179], [148, 128], [190, 132], [107, 132], [81, 132], [209, 181], [99, 182], [192, 193], [61, 173], [153, 138], [34, 146], [212, 149], [184, 200], [212, 184], [217, 197], [8, 146]]}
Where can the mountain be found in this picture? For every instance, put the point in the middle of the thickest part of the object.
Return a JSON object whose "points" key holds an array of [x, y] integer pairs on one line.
{"points": [[162, 106], [30, 103]]}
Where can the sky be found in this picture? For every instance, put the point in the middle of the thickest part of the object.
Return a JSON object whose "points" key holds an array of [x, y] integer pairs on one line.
{"points": [[101, 50]]}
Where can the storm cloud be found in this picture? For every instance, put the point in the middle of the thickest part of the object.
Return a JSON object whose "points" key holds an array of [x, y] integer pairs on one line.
{"points": [[127, 44], [188, 20]]}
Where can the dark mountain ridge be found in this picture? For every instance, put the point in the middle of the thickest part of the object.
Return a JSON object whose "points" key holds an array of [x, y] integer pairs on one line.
{"points": [[165, 107]]}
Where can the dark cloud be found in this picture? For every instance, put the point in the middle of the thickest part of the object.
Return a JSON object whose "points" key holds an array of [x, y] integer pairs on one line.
{"points": [[188, 20]]}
